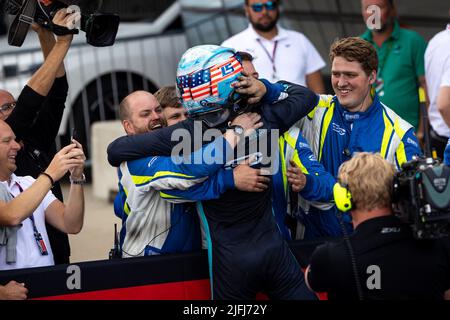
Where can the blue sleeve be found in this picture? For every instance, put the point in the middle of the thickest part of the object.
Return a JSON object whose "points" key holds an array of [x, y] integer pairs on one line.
{"points": [[212, 188], [273, 93], [412, 147], [118, 206], [319, 187], [319, 182], [292, 104], [178, 172], [447, 154]]}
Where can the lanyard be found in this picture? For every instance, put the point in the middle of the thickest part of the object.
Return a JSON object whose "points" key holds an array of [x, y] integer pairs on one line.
{"points": [[382, 63], [37, 235], [270, 56]]}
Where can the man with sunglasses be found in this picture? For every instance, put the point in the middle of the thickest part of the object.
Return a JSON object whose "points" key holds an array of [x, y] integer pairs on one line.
{"points": [[280, 54], [36, 116]]}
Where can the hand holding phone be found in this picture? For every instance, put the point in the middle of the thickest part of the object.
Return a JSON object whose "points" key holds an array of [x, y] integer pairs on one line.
{"points": [[73, 135]]}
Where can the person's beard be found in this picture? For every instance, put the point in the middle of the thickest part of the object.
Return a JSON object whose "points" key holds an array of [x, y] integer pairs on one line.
{"points": [[155, 125], [389, 22], [265, 28]]}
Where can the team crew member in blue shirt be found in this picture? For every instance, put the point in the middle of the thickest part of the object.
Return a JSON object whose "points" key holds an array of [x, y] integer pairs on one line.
{"points": [[354, 120]]}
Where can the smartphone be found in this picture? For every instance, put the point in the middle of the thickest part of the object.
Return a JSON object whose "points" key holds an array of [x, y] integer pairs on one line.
{"points": [[73, 135]]}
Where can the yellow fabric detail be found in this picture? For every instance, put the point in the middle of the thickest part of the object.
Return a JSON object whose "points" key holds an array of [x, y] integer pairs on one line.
{"points": [[138, 180], [401, 154], [325, 101], [291, 141], [168, 196], [326, 124], [388, 129], [299, 163], [398, 129], [283, 163], [311, 113], [141, 179], [126, 207]]}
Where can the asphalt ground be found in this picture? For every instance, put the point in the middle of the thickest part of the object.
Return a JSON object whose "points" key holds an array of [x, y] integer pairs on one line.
{"points": [[97, 236]]}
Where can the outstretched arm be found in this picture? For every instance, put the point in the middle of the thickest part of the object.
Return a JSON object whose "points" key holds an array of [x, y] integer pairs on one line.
{"points": [[33, 95], [42, 80], [154, 143], [243, 178], [21, 207], [68, 217]]}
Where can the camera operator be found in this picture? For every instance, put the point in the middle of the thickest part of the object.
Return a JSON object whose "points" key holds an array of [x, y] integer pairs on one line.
{"points": [[36, 116], [389, 262]]}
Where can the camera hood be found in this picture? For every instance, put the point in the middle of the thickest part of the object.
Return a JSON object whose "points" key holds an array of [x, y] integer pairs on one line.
{"points": [[101, 29]]}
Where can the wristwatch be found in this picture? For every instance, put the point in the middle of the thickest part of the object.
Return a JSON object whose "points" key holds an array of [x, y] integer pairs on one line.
{"points": [[78, 181], [237, 129]]}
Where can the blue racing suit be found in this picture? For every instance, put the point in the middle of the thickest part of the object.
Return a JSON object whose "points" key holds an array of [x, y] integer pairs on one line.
{"points": [[151, 225], [247, 253], [319, 183], [335, 134]]}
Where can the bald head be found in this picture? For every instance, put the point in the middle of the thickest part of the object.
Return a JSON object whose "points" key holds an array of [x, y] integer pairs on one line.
{"points": [[140, 112], [4, 126], [5, 98]]}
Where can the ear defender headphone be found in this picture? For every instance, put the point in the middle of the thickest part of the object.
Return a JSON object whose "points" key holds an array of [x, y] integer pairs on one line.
{"points": [[342, 197]]}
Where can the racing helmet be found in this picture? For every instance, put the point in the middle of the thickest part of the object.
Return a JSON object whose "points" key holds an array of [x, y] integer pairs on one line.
{"points": [[204, 77]]}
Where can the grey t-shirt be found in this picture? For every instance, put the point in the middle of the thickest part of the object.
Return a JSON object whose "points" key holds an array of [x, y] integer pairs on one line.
{"points": [[8, 235]]}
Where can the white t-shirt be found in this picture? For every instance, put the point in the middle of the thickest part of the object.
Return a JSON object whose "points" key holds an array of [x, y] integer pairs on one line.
{"points": [[293, 54], [437, 74], [28, 254]]}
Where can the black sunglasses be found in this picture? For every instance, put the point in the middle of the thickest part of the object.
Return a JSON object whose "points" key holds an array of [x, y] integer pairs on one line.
{"points": [[258, 7], [7, 106]]}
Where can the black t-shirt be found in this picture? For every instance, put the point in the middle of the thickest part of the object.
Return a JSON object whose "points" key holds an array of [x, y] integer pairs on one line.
{"points": [[389, 261]]}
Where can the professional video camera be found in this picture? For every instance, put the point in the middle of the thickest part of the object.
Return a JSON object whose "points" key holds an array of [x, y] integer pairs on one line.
{"points": [[422, 197], [100, 28]]}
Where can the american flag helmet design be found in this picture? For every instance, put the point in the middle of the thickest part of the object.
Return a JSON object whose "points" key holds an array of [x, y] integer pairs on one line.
{"points": [[204, 77]]}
